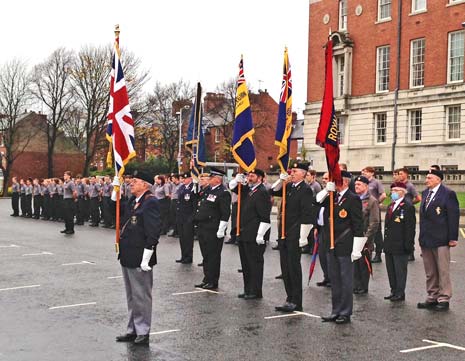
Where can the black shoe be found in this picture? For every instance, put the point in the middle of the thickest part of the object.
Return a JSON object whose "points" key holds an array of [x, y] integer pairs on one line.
{"points": [[251, 297], [142, 340], [397, 298], [275, 248], [241, 295], [64, 231], [280, 277], [427, 305], [377, 258], [129, 337], [322, 283], [239, 270], [113, 226], [210, 286], [186, 261], [442, 306], [179, 260], [69, 232], [340, 320], [288, 307], [230, 241], [328, 285], [305, 250], [14, 215], [200, 264], [170, 233], [411, 257], [200, 285], [388, 297], [362, 292], [329, 318]]}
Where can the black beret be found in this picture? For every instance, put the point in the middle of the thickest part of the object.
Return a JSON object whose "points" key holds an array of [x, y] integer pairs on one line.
{"points": [[399, 185], [258, 172], [186, 175], [346, 174], [142, 174], [216, 172], [437, 173], [363, 179], [303, 166]]}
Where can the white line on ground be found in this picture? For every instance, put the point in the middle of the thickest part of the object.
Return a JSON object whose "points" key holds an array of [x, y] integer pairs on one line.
{"points": [[75, 305], [114, 277], [295, 313], [37, 254], [307, 314], [10, 246], [453, 261], [435, 344], [18, 288], [77, 263], [187, 293], [162, 332], [463, 232]]}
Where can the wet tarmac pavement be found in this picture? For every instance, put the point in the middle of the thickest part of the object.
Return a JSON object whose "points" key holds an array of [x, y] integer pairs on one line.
{"points": [[62, 298]]}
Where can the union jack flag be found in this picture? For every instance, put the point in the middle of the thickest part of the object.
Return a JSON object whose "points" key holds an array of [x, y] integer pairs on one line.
{"points": [[120, 128]]}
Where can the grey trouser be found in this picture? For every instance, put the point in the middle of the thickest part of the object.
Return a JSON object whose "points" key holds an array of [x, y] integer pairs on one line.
{"points": [[341, 274]]}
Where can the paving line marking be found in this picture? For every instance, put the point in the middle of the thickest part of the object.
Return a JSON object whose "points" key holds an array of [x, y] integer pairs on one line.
{"points": [[37, 254], [307, 314], [463, 232], [295, 313], [10, 246], [187, 293], [114, 277], [162, 332], [453, 261], [75, 305], [78, 263], [18, 288], [435, 344]]}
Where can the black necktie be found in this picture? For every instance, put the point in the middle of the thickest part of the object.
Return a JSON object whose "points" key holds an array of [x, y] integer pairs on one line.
{"points": [[428, 198]]}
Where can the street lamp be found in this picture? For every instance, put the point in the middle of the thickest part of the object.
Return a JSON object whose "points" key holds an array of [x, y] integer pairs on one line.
{"points": [[180, 136]]}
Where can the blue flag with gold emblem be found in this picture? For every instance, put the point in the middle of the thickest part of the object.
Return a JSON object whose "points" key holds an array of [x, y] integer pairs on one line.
{"points": [[242, 147]]}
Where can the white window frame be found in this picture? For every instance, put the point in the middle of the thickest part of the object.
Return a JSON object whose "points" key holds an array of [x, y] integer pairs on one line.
{"points": [[460, 57], [381, 4], [416, 9], [411, 131], [379, 70], [457, 121], [343, 15], [216, 156], [217, 135], [340, 74], [417, 63], [341, 127], [378, 119]]}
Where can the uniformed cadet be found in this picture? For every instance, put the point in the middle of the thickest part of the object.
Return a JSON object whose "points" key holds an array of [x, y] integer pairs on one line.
{"points": [[37, 198], [161, 190], [322, 237], [86, 213], [140, 233], [22, 197], [348, 244], [203, 187], [94, 195], [16, 189], [299, 219], [175, 186], [68, 203], [45, 191], [28, 197], [370, 212], [186, 206], [399, 238], [80, 192], [52, 189], [254, 230], [212, 217], [60, 204], [108, 204]]}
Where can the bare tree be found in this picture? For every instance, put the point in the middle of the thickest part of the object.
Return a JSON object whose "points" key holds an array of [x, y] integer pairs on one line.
{"points": [[14, 96], [160, 112], [51, 86], [91, 84]]}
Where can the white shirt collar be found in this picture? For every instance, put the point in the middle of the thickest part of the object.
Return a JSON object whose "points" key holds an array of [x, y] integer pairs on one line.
{"points": [[138, 198], [213, 188], [341, 193], [396, 203], [435, 189], [296, 184]]}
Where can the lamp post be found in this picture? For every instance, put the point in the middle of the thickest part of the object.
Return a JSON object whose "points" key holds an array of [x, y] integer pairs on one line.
{"points": [[180, 136]]}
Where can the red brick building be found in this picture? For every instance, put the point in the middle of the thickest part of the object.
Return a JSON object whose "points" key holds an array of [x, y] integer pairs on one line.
{"points": [[398, 75]]}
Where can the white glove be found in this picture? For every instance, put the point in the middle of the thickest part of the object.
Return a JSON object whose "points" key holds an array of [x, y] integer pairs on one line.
{"points": [[144, 265], [113, 195], [283, 176], [262, 229], [116, 182], [195, 180], [239, 179], [222, 229], [331, 187], [321, 195], [276, 186], [304, 232], [359, 243]]}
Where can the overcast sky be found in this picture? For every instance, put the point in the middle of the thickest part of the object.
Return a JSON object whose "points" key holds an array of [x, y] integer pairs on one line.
{"points": [[196, 40]]}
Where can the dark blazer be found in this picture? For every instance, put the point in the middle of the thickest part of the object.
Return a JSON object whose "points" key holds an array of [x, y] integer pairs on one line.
{"points": [[348, 222], [255, 208], [141, 225], [299, 208], [213, 206], [187, 203], [439, 223], [399, 229]]}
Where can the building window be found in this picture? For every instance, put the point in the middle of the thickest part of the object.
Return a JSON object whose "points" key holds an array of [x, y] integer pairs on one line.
{"points": [[453, 122], [341, 126], [413, 171], [447, 169], [340, 71], [216, 156], [418, 5], [456, 52], [415, 125], [382, 69], [342, 15], [380, 127], [384, 10], [417, 63], [217, 135]]}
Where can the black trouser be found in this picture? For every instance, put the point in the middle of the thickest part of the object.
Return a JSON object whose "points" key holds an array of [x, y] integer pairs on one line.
{"points": [[341, 273], [233, 221], [28, 205], [172, 216], [251, 255], [186, 238], [86, 209], [396, 266], [38, 204], [107, 211], [361, 274], [68, 213], [322, 253], [53, 206], [22, 202], [164, 205], [80, 210], [46, 207], [289, 254], [212, 247], [60, 207], [94, 211], [100, 208], [15, 203], [379, 241]]}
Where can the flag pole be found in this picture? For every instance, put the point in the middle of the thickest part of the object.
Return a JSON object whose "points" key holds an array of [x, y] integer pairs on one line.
{"points": [[238, 216], [118, 192], [331, 219], [283, 212]]}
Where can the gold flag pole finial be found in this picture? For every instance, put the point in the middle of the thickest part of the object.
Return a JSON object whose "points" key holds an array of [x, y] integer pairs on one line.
{"points": [[117, 30]]}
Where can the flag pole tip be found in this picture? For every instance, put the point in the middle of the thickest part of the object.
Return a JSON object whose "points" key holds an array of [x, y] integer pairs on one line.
{"points": [[117, 29]]}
